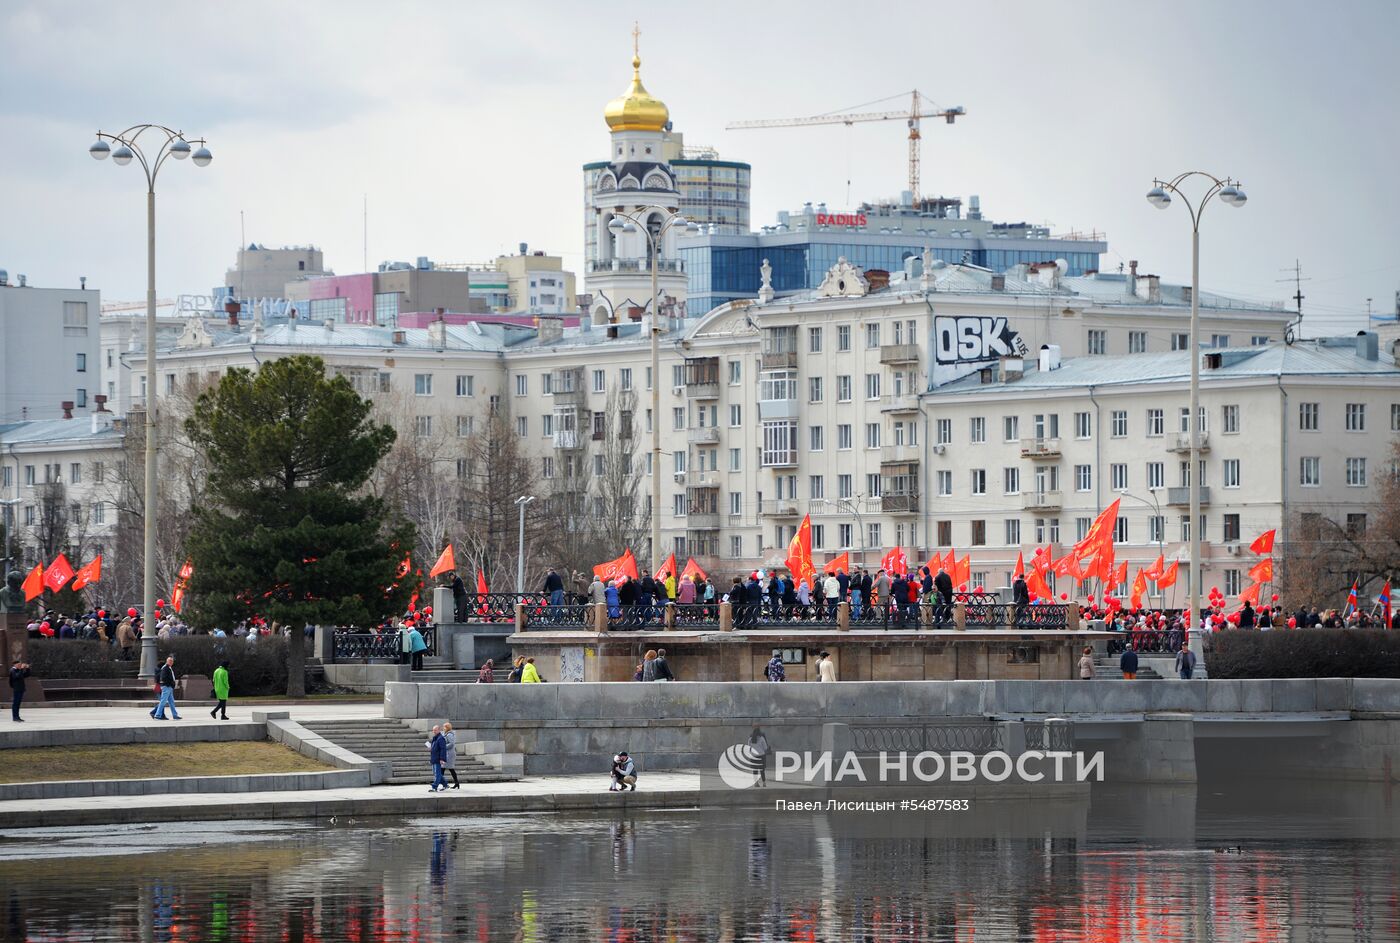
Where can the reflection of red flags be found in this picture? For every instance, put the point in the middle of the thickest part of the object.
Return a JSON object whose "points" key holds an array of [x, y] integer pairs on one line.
{"points": [[1035, 584], [58, 574], [448, 561], [34, 582], [1263, 571], [962, 572], [668, 566], [1154, 572], [799, 558], [1168, 577], [92, 573], [1139, 587], [1100, 533], [404, 567], [1251, 593], [842, 563], [1020, 566], [1263, 544], [895, 562], [625, 565], [692, 569]]}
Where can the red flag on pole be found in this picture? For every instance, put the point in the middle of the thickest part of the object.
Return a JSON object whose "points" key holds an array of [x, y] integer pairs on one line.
{"points": [[668, 566], [34, 583], [625, 565], [1385, 603], [1263, 571], [1154, 572], [1251, 593], [1168, 577], [481, 583], [950, 563], [58, 574], [1119, 577], [1020, 566], [842, 563], [1139, 587], [895, 562], [89, 574], [963, 571], [1040, 560], [1264, 543], [447, 561], [799, 558], [1100, 533], [692, 569], [1036, 586], [182, 579]]}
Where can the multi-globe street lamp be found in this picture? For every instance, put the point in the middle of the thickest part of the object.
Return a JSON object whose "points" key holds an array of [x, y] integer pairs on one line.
{"points": [[1160, 196], [628, 223], [168, 143]]}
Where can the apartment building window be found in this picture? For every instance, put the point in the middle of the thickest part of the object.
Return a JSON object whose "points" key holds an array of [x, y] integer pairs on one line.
{"points": [[1230, 528], [1356, 473], [1184, 420], [422, 384], [779, 443], [1083, 426], [1118, 424], [522, 385], [97, 513], [1356, 417], [814, 340], [873, 533], [818, 536], [945, 483], [1118, 476], [1395, 417], [736, 461], [546, 424], [1137, 342], [1011, 480], [522, 426], [872, 486], [979, 533], [1010, 428], [1098, 342], [843, 337], [598, 464], [979, 430], [1230, 420], [29, 515], [82, 363], [816, 487], [1156, 529], [979, 481], [843, 388], [99, 473], [1259, 340], [7, 476], [814, 389], [1356, 525], [1083, 478], [75, 473], [872, 386], [677, 417], [466, 385], [1181, 341], [1231, 473], [1310, 471], [944, 434], [600, 381], [735, 372], [29, 475], [843, 436], [945, 533], [872, 337], [1307, 417], [678, 462], [1156, 475], [1013, 530], [1156, 423], [423, 426], [1232, 582], [872, 435], [1220, 340], [624, 378], [845, 487], [678, 505], [815, 439], [547, 384], [736, 415]]}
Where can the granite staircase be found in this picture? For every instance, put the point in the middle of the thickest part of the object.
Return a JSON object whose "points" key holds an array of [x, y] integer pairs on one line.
{"points": [[385, 740]]}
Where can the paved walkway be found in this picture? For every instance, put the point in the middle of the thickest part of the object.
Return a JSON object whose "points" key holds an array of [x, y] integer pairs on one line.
{"points": [[137, 714]]}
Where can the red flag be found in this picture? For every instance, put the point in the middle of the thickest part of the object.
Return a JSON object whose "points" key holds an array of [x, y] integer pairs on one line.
{"points": [[692, 569], [1154, 572], [1119, 577], [1020, 566], [667, 566], [1251, 593], [182, 579], [1263, 571], [625, 565], [950, 563], [89, 574], [481, 583], [34, 583], [963, 571], [58, 574], [1065, 566], [1040, 560], [895, 562], [799, 558], [1168, 577], [1263, 544], [1036, 586], [1139, 587], [842, 563], [1100, 533], [1385, 603], [448, 561]]}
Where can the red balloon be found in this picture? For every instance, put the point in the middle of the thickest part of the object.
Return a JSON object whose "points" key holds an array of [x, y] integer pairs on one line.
{"points": [[978, 590], [131, 612], [159, 603], [1292, 622], [428, 610], [962, 588], [1274, 598], [102, 613], [1091, 597], [1064, 596]]}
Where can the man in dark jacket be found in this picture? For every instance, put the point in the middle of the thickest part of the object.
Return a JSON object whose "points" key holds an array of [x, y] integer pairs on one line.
{"points": [[843, 581], [944, 584], [1128, 662], [899, 597], [459, 596], [660, 668], [1021, 595], [1247, 616], [775, 670], [437, 755], [646, 593], [753, 596], [18, 672], [166, 679]]}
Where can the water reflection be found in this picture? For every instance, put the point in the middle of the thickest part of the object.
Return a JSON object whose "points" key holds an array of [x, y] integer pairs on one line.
{"points": [[1221, 864]]}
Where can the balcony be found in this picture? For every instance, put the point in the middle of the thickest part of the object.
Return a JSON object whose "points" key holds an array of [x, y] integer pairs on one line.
{"points": [[899, 353], [702, 378], [778, 507], [1041, 447], [1182, 442], [892, 454], [567, 439], [779, 360], [1181, 497], [900, 403], [702, 520], [635, 265], [1042, 500], [705, 435], [700, 479], [899, 503]]}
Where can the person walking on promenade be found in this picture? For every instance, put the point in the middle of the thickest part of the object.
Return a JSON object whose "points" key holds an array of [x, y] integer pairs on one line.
{"points": [[517, 671], [660, 669], [487, 674], [19, 670], [882, 592], [530, 675], [775, 670], [649, 665], [1128, 662], [943, 583], [416, 646], [166, 680], [826, 671], [449, 737], [758, 743], [221, 690], [1086, 665], [437, 755], [1185, 663], [637, 675]]}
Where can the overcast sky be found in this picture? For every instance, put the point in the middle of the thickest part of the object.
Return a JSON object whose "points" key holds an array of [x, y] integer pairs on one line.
{"points": [[466, 125]]}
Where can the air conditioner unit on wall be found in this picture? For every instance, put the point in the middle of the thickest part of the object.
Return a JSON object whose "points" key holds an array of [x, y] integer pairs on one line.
{"points": [[1232, 549]]}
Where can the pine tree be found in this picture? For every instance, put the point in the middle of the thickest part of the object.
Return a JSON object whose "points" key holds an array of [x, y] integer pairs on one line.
{"points": [[289, 532]]}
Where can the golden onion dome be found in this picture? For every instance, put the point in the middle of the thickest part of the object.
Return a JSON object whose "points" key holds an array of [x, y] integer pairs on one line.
{"points": [[636, 109]]}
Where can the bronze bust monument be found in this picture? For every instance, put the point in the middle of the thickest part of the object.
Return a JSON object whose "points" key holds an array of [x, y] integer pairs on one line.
{"points": [[12, 596]]}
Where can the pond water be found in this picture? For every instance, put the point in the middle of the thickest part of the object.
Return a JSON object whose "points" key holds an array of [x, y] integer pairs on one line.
{"points": [[1219, 862]]}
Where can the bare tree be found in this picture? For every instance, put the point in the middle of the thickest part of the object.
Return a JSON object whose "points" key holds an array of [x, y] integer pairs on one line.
{"points": [[494, 473], [416, 478]]}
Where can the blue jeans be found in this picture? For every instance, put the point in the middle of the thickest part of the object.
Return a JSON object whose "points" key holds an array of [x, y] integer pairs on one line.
{"points": [[167, 698], [439, 778], [855, 604]]}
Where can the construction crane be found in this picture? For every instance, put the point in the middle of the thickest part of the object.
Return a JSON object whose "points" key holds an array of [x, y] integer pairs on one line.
{"points": [[919, 108]]}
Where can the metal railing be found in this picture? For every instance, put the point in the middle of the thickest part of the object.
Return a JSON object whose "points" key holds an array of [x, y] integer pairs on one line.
{"points": [[547, 618], [695, 615], [386, 645], [935, 738], [1056, 737], [499, 607]]}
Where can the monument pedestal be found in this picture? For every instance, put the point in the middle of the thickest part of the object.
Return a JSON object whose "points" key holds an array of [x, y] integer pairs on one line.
{"points": [[15, 628]]}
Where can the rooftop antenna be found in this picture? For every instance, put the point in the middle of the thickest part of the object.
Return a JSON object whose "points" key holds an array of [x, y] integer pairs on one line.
{"points": [[1289, 335], [364, 262], [242, 245]]}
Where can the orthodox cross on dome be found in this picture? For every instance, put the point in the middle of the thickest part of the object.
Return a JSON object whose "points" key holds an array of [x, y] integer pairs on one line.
{"points": [[636, 39]]}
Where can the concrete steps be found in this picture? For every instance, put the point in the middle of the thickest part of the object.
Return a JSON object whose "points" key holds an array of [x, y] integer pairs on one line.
{"points": [[1108, 670], [391, 741]]}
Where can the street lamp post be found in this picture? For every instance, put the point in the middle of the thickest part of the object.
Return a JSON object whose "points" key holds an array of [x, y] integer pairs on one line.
{"points": [[1160, 196], [630, 223], [8, 519], [520, 502], [168, 144], [852, 505]]}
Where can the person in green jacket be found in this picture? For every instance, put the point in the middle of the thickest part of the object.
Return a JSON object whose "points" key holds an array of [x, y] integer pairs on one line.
{"points": [[530, 675], [221, 690]]}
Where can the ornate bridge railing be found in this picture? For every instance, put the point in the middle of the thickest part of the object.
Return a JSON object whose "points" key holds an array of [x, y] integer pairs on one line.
{"points": [[696, 615], [936, 738], [1050, 737], [546, 618], [500, 607], [356, 645]]}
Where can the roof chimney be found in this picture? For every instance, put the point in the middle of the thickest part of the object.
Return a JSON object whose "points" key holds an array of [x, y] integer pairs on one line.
{"points": [[1132, 276], [67, 408], [551, 329], [437, 331], [101, 400]]}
